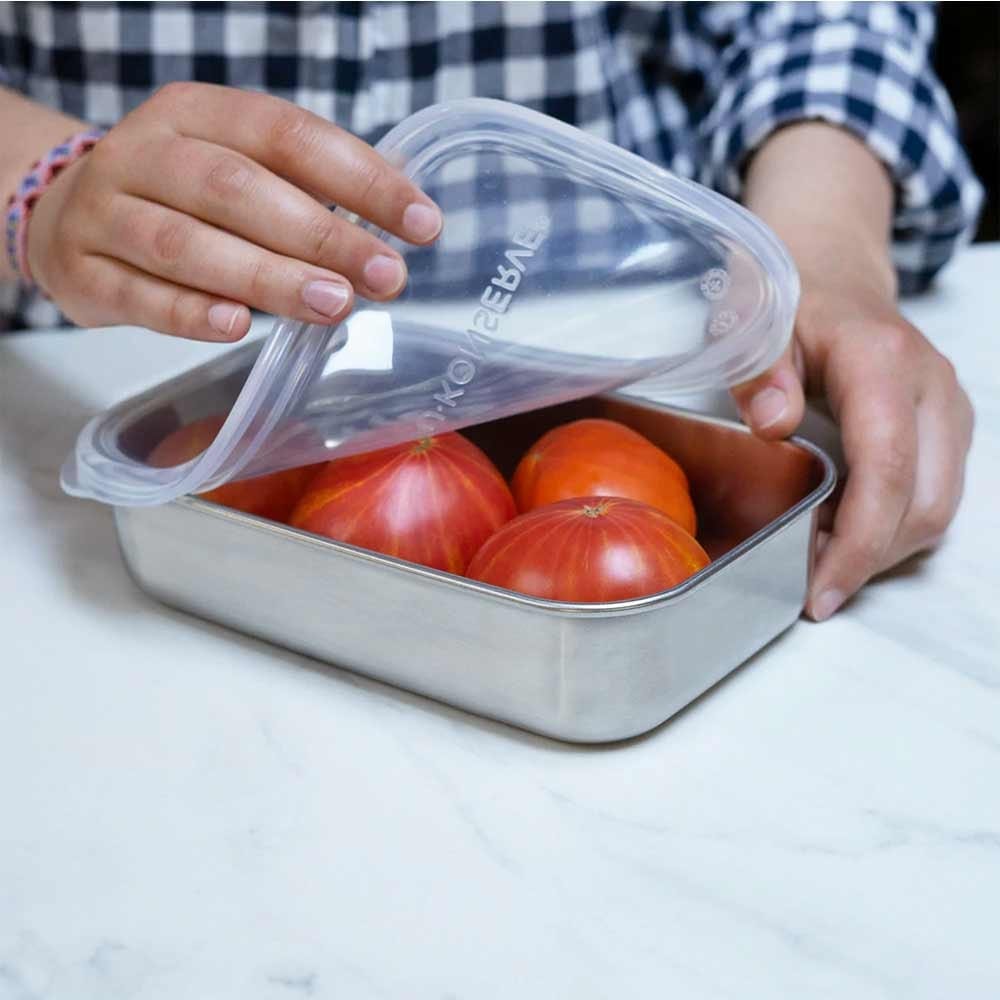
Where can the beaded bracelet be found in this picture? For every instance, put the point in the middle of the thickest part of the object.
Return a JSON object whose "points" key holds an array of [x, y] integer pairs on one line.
{"points": [[32, 187]]}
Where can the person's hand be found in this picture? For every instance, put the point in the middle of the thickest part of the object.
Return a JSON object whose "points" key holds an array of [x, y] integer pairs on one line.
{"points": [[905, 423], [205, 201]]}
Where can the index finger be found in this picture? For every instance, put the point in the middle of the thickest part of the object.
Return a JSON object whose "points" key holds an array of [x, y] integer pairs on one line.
{"points": [[307, 150], [878, 426]]}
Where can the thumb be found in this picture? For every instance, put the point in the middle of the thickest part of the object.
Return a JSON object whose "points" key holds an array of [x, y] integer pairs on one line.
{"points": [[773, 404]]}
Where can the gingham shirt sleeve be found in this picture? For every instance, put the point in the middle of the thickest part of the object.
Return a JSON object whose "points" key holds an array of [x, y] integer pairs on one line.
{"points": [[864, 67]]}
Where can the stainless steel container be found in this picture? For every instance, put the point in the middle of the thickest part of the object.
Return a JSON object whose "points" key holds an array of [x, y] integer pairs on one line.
{"points": [[584, 673]]}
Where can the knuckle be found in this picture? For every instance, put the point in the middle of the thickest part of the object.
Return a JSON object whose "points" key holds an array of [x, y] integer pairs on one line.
{"points": [[931, 522], [370, 178], [893, 344], [170, 240], [865, 555], [179, 314], [229, 177], [261, 279], [175, 94], [290, 132], [323, 237], [946, 371]]}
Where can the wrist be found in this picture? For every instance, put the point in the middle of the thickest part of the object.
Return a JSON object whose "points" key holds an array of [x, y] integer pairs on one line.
{"points": [[830, 200], [30, 130], [834, 256], [35, 183]]}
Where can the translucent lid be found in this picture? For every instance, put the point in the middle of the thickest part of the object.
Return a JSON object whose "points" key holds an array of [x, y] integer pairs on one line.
{"points": [[567, 266]]}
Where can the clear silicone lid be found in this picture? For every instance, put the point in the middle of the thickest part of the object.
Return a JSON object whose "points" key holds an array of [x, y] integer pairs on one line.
{"points": [[567, 266]]}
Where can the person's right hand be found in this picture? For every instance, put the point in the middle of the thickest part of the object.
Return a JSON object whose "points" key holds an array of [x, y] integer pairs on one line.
{"points": [[205, 201]]}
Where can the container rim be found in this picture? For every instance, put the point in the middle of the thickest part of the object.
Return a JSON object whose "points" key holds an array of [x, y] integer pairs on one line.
{"points": [[570, 609]]}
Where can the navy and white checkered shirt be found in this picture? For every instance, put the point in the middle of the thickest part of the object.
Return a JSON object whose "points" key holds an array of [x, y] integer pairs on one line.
{"points": [[694, 87]]}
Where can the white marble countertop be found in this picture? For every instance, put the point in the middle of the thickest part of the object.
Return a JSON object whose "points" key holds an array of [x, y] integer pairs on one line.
{"points": [[188, 813]]}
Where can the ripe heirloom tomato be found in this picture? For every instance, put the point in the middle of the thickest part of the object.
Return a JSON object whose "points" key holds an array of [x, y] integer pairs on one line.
{"points": [[433, 501], [272, 496], [595, 457], [589, 549]]}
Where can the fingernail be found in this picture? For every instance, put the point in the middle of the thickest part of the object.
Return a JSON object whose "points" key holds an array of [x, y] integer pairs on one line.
{"points": [[384, 274], [222, 317], [421, 223], [767, 407], [328, 298], [826, 604]]}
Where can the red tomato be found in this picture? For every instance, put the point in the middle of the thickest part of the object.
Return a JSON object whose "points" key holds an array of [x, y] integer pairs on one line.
{"points": [[272, 496], [433, 501], [589, 549], [602, 458]]}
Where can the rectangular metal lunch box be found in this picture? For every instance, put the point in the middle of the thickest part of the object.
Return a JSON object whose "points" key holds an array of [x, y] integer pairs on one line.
{"points": [[582, 673], [565, 266]]}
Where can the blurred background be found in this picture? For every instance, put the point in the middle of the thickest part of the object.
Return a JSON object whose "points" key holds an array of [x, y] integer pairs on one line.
{"points": [[967, 58]]}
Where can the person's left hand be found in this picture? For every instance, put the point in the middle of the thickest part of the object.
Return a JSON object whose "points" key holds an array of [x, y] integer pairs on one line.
{"points": [[905, 422]]}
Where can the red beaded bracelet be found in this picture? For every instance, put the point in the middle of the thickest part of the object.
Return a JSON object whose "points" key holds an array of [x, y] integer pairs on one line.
{"points": [[32, 187]]}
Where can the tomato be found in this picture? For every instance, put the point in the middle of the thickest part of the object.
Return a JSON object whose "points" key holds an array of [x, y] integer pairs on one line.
{"points": [[589, 549], [433, 501], [596, 457], [272, 496]]}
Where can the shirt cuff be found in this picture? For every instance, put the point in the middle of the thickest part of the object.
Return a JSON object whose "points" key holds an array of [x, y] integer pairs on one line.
{"points": [[880, 89]]}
